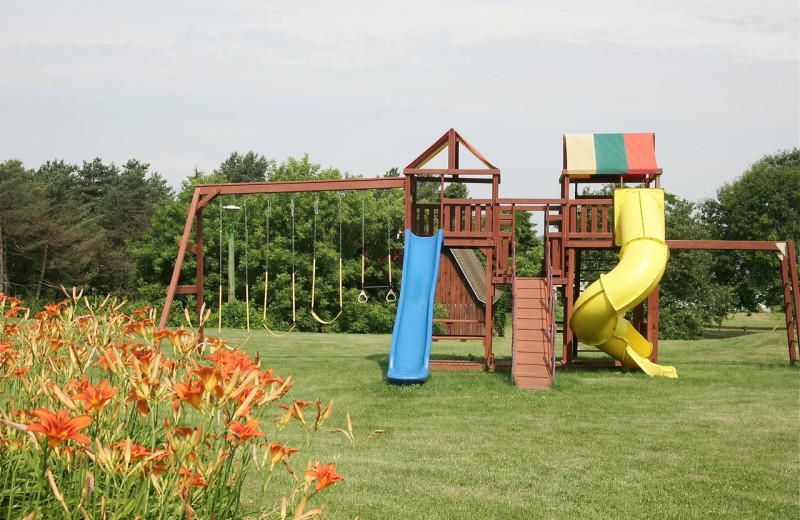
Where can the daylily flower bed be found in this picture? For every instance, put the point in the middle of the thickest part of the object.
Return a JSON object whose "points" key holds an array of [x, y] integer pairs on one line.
{"points": [[97, 422]]}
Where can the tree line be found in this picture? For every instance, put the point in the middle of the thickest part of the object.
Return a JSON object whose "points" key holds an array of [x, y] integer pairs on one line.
{"points": [[115, 229]]}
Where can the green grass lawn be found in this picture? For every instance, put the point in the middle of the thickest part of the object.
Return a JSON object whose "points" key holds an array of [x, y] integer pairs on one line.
{"points": [[719, 442]]}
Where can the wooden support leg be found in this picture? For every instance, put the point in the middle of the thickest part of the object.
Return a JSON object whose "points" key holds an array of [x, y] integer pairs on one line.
{"points": [[652, 322], [488, 356], [176, 272], [795, 292], [789, 302], [638, 319], [569, 301], [199, 255]]}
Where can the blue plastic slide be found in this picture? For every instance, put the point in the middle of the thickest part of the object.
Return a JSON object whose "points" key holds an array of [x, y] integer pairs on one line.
{"points": [[410, 352]]}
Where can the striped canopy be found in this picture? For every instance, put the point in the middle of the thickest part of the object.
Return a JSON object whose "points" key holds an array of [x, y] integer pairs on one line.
{"points": [[610, 154]]}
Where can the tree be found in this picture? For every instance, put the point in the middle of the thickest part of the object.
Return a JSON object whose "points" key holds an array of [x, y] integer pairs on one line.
{"points": [[691, 298], [22, 207], [249, 167], [456, 190], [762, 204], [121, 202], [68, 241]]}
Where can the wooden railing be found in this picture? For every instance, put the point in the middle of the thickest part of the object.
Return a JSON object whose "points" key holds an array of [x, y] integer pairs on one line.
{"points": [[591, 218], [427, 219], [471, 218]]}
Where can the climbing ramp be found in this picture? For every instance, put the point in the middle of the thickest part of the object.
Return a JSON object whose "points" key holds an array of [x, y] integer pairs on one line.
{"points": [[532, 363]]}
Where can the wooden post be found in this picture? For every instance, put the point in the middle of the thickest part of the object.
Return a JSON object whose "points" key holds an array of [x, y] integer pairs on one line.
{"points": [[488, 356], [199, 254], [576, 291], [638, 319], [182, 247], [795, 290], [652, 322], [569, 301], [566, 225], [789, 301]]}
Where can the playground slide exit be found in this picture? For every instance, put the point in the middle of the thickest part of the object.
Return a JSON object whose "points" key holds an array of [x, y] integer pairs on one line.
{"points": [[410, 352], [597, 318]]}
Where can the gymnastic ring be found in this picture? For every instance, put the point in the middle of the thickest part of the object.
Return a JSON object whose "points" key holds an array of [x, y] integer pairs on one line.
{"points": [[362, 297], [391, 296]]}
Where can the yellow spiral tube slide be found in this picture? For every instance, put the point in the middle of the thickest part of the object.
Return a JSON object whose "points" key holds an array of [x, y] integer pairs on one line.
{"points": [[597, 318]]}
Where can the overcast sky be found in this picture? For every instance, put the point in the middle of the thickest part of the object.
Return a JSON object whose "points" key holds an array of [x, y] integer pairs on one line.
{"points": [[364, 86]]}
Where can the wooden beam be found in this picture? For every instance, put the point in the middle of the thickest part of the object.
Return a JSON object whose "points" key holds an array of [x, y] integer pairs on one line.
{"points": [[726, 245], [248, 188], [207, 199], [451, 171]]}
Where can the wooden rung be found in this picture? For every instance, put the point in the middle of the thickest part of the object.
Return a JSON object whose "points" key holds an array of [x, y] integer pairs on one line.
{"points": [[186, 289]]}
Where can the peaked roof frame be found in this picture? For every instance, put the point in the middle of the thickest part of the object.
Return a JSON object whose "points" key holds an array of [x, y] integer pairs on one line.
{"points": [[451, 140]]}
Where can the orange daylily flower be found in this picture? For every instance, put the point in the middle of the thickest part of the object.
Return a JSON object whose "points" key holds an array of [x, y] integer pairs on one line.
{"points": [[241, 433], [10, 299], [141, 313], [96, 397], [191, 393], [79, 386], [8, 354], [266, 378], [11, 329], [192, 478], [13, 311], [294, 410], [209, 376], [143, 359], [216, 343], [106, 360], [228, 361], [54, 309], [140, 399], [278, 452], [59, 427], [137, 327], [173, 336], [242, 397], [324, 475], [19, 372], [132, 451]]}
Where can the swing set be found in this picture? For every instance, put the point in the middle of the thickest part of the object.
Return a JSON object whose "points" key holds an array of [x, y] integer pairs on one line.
{"points": [[204, 194]]}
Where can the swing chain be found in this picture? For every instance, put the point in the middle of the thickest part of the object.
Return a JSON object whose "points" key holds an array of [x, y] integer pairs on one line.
{"points": [[390, 296], [292, 210], [246, 246], [220, 241], [362, 296], [341, 197], [269, 214], [316, 212]]}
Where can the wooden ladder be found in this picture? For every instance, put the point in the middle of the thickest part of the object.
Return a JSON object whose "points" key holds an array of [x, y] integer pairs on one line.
{"points": [[532, 351]]}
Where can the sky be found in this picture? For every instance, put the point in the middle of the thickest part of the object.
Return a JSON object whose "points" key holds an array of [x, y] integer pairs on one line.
{"points": [[364, 86]]}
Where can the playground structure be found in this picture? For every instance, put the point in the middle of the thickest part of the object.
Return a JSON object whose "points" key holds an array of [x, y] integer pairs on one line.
{"points": [[573, 223]]}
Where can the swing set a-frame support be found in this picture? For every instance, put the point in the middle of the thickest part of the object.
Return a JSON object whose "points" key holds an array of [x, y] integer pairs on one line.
{"points": [[205, 193]]}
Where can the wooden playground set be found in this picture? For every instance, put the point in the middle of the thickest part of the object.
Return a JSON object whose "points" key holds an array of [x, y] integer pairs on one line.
{"points": [[573, 224]]}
